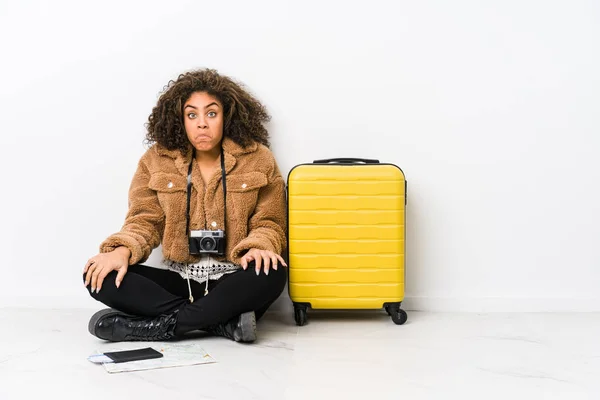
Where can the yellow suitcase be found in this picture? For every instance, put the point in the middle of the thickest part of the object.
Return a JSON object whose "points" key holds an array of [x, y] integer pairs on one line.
{"points": [[346, 236]]}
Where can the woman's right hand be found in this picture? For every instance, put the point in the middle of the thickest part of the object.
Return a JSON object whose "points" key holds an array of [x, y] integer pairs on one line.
{"points": [[102, 264]]}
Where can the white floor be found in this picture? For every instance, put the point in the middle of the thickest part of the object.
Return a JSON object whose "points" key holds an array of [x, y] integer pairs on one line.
{"points": [[336, 356]]}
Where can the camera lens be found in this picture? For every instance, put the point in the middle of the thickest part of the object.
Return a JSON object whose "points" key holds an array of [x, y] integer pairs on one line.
{"points": [[208, 244]]}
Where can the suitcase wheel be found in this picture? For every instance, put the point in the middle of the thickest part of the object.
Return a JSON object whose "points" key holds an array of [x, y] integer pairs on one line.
{"points": [[399, 316], [300, 314]]}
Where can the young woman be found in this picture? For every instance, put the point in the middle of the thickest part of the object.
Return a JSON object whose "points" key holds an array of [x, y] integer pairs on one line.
{"points": [[210, 191]]}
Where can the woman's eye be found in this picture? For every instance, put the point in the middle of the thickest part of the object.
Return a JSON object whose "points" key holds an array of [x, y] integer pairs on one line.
{"points": [[212, 114], [192, 115]]}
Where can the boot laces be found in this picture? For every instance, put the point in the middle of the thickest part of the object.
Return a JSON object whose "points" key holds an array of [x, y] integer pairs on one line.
{"points": [[155, 328]]}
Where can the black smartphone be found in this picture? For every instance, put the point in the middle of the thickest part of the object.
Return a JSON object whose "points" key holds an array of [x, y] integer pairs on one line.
{"points": [[133, 355]]}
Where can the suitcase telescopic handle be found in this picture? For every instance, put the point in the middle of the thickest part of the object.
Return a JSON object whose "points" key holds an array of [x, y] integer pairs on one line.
{"points": [[346, 161]]}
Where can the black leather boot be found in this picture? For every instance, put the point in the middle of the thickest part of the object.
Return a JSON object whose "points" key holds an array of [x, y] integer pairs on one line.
{"points": [[240, 329], [115, 326]]}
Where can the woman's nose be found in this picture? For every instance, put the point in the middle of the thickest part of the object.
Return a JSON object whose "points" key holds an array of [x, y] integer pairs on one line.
{"points": [[202, 122]]}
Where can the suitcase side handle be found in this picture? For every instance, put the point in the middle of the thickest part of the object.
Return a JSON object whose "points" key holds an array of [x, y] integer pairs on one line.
{"points": [[346, 161]]}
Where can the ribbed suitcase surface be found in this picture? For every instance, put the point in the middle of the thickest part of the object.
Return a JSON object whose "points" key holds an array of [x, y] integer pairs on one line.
{"points": [[346, 235]]}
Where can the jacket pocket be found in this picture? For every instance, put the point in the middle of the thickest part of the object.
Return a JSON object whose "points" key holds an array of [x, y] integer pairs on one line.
{"points": [[167, 183], [243, 190], [244, 183], [171, 193]]}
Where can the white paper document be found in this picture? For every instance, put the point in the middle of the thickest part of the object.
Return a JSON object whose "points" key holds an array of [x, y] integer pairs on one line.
{"points": [[175, 355]]}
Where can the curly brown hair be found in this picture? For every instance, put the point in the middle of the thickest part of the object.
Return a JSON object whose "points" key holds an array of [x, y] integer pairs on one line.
{"points": [[243, 118]]}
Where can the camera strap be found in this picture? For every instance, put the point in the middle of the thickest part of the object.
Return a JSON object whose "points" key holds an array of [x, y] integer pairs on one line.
{"points": [[189, 192]]}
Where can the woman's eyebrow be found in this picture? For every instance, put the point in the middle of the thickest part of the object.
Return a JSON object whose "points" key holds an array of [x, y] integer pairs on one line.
{"points": [[214, 103]]}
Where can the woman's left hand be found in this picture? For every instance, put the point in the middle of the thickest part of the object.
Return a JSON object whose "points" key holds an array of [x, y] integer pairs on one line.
{"points": [[262, 258]]}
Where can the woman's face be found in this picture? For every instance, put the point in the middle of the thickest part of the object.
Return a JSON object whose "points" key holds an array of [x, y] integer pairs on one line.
{"points": [[203, 120]]}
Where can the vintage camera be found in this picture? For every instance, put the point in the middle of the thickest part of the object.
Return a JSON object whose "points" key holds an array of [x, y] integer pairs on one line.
{"points": [[207, 242]]}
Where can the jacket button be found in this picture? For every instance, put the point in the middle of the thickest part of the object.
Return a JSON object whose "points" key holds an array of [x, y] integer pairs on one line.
{"points": [[244, 186], [213, 224], [170, 185]]}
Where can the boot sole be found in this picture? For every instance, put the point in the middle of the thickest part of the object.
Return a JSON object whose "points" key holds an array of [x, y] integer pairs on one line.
{"points": [[248, 327], [99, 315]]}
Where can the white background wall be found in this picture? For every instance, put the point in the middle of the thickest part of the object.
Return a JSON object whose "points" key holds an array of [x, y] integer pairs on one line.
{"points": [[491, 109]]}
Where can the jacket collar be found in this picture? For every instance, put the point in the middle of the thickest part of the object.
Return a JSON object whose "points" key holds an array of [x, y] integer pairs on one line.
{"points": [[230, 150]]}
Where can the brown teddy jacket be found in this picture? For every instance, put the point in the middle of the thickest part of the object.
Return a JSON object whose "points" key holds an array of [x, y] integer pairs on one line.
{"points": [[256, 206]]}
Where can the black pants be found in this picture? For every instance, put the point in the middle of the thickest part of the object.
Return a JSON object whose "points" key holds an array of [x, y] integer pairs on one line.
{"points": [[150, 292]]}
